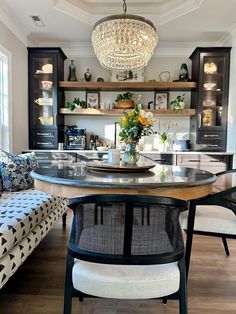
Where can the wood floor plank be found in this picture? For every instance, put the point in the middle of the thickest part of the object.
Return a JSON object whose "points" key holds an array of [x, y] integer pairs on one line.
{"points": [[38, 285]]}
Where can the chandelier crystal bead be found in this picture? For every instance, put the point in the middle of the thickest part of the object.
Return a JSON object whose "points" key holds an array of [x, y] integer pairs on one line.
{"points": [[124, 42]]}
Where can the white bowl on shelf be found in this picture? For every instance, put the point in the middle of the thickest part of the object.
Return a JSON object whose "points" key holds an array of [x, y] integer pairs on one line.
{"points": [[47, 68]]}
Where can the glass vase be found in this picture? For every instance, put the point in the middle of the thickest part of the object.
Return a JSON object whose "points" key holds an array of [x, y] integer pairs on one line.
{"points": [[130, 155], [163, 147]]}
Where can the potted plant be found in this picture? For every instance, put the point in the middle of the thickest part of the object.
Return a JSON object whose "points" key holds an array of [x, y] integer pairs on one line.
{"points": [[178, 103], [124, 101], [76, 103]]}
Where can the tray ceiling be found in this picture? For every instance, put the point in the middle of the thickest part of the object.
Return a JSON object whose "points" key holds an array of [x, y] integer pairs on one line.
{"points": [[181, 21]]}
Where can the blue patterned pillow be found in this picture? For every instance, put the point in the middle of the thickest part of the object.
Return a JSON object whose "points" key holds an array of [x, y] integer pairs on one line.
{"points": [[15, 171], [5, 156]]}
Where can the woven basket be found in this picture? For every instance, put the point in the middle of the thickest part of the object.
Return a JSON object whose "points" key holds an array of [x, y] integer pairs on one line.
{"points": [[125, 104]]}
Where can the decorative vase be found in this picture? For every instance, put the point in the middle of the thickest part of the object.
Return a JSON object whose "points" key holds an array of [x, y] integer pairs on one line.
{"points": [[182, 104], [72, 75], [87, 76], [183, 73], [162, 147], [130, 155]]}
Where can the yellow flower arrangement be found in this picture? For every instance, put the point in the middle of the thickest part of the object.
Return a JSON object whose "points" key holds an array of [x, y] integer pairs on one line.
{"points": [[135, 124]]}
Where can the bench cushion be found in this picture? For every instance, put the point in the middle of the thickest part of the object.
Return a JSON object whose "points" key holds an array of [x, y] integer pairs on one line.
{"points": [[20, 212], [10, 262]]}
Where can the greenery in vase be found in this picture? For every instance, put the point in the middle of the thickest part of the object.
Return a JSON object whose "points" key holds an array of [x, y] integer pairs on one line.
{"points": [[164, 134], [135, 124], [127, 95], [176, 103], [76, 103]]}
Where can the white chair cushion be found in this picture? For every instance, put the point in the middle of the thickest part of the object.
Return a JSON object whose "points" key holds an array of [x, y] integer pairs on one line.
{"points": [[126, 281], [212, 219]]}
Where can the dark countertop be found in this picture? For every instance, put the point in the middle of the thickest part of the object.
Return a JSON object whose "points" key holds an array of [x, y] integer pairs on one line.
{"points": [[161, 176], [144, 152]]}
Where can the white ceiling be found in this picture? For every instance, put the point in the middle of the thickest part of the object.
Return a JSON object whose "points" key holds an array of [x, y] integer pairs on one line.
{"points": [[178, 21]]}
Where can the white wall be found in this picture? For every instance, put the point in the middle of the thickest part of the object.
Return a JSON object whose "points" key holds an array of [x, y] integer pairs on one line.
{"points": [[104, 126], [19, 86]]}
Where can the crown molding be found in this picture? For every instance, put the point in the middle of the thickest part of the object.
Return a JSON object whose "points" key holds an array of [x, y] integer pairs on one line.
{"points": [[74, 11], [85, 14], [8, 21], [179, 11], [165, 49], [229, 37]]}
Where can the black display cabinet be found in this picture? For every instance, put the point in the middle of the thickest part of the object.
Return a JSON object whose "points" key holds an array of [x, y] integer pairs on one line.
{"points": [[45, 70], [210, 69]]}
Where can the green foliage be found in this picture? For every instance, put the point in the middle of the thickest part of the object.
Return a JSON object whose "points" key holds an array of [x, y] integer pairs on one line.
{"points": [[176, 103], [127, 95], [76, 103], [163, 137]]}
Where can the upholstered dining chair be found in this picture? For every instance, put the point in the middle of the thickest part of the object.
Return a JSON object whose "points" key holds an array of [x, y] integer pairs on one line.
{"points": [[124, 254], [213, 215]]}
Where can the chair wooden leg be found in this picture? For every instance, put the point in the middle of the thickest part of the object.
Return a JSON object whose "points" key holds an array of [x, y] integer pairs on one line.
{"points": [[68, 285], [183, 304], [226, 246], [64, 220], [191, 218]]}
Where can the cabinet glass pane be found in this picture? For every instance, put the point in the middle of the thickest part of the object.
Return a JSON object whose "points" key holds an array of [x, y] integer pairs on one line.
{"points": [[213, 76], [43, 95]]}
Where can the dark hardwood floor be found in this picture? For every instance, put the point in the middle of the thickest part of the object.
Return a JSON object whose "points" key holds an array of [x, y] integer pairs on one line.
{"points": [[37, 287]]}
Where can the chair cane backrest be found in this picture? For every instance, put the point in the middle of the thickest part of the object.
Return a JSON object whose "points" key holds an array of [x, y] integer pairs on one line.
{"points": [[127, 229]]}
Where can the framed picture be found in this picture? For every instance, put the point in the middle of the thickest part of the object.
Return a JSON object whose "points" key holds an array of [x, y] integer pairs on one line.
{"points": [[93, 99], [127, 76], [161, 100]]}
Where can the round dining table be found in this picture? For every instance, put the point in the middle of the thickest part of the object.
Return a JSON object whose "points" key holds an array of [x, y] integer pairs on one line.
{"points": [[70, 180]]}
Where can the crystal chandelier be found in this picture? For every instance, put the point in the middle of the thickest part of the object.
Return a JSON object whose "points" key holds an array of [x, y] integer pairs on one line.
{"points": [[124, 41]]}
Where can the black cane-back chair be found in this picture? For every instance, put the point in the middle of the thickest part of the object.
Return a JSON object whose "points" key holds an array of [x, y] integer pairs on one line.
{"points": [[213, 215], [116, 251]]}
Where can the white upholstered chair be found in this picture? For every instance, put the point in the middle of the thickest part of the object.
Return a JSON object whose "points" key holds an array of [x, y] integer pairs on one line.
{"points": [[213, 215], [126, 247]]}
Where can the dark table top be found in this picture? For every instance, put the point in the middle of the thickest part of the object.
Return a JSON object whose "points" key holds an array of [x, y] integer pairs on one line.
{"points": [[161, 176]]}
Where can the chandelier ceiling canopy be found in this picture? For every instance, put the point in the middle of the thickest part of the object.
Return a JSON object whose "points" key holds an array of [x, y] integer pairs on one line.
{"points": [[124, 41]]}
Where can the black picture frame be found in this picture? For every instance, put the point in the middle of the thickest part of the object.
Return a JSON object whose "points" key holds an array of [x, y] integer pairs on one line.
{"points": [[93, 99], [161, 99]]}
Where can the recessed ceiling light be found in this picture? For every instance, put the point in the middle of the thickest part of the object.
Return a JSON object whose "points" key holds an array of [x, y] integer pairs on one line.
{"points": [[37, 20]]}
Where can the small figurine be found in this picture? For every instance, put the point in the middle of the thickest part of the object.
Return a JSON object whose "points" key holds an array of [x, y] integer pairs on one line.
{"points": [[87, 76]]}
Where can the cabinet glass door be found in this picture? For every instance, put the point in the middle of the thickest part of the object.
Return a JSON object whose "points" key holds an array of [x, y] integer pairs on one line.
{"points": [[211, 99], [43, 86]]}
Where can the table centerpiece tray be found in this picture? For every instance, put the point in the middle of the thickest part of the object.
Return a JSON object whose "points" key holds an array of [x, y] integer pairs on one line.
{"points": [[104, 166]]}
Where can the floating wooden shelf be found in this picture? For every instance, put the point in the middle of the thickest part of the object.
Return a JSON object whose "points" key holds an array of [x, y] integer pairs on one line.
{"points": [[141, 86], [118, 112]]}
